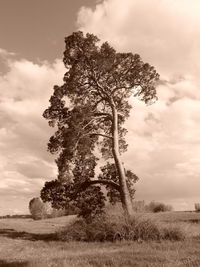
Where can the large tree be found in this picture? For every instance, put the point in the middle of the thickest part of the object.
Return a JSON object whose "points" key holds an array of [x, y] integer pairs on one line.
{"points": [[89, 109]]}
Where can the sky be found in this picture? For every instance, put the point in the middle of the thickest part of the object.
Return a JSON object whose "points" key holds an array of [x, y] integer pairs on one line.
{"points": [[163, 138]]}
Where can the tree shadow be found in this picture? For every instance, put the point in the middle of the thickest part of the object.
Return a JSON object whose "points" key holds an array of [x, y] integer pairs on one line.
{"points": [[11, 233], [4, 263]]}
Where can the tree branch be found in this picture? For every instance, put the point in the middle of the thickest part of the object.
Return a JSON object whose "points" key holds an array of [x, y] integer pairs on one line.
{"points": [[123, 87], [104, 182], [99, 114], [90, 134], [103, 135], [83, 186]]}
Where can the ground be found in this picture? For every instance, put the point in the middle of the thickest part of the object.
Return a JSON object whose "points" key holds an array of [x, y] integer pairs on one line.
{"points": [[24, 242]]}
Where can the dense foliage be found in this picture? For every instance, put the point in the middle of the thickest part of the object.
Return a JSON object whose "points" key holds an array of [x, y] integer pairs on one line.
{"points": [[89, 111], [109, 172], [84, 199]]}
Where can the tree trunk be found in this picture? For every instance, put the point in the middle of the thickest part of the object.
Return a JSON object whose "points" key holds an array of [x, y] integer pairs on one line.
{"points": [[124, 193]]}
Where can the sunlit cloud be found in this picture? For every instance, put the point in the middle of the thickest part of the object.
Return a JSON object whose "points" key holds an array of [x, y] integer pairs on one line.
{"points": [[166, 33], [163, 138], [25, 163]]}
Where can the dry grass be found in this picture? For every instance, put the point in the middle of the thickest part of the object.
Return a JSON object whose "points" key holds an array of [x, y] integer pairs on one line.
{"points": [[20, 250], [38, 227], [189, 222], [40, 253]]}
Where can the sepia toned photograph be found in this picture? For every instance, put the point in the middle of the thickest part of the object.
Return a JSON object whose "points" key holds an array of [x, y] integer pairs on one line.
{"points": [[99, 133]]}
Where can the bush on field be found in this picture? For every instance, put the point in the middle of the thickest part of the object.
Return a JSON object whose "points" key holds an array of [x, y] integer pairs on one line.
{"points": [[158, 207], [197, 207], [113, 228], [38, 209], [173, 232]]}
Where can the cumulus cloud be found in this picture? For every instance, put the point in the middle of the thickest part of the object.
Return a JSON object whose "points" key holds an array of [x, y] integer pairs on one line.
{"points": [[163, 138], [164, 148], [166, 32], [24, 162]]}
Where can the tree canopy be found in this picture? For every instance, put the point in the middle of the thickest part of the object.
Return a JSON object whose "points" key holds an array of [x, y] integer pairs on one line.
{"points": [[89, 111]]}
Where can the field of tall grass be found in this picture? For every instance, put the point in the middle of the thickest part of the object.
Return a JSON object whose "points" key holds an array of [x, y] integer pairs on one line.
{"points": [[24, 242]]}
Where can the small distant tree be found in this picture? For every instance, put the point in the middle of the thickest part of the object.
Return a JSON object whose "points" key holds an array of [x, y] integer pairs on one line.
{"points": [[197, 207], [90, 108], [158, 207], [38, 209]]}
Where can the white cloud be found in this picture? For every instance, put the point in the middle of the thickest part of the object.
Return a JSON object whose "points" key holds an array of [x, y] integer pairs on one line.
{"points": [[163, 138], [24, 93], [165, 33]]}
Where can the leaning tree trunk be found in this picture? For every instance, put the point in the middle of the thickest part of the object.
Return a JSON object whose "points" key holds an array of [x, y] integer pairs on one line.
{"points": [[124, 193]]}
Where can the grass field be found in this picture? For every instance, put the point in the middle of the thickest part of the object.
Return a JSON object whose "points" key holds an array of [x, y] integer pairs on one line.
{"points": [[24, 242]]}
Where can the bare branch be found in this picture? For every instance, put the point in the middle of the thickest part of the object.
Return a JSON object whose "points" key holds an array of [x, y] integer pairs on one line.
{"points": [[91, 121]]}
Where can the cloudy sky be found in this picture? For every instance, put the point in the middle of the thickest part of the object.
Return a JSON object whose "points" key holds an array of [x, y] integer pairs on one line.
{"points": [[164, 138]]}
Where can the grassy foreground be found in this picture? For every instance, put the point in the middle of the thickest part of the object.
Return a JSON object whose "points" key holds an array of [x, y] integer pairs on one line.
{"points": [[24, 242]]}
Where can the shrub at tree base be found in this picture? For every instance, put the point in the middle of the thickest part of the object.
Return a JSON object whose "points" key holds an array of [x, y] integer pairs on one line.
{"points": [[105, 228]]}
